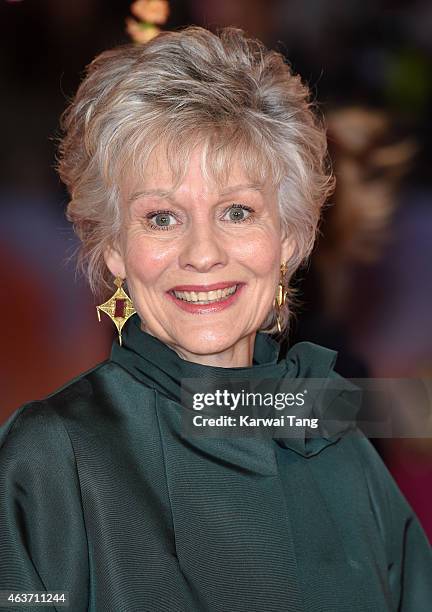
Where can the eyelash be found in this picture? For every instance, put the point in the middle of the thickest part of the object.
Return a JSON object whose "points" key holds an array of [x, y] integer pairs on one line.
{"points": [[152, 214], [242, 207]]}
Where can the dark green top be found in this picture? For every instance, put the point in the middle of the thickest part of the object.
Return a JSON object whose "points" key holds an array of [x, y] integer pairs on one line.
{"points": [[102, 495]]}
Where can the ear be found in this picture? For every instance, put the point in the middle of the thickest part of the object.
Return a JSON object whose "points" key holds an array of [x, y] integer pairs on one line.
{"points": [[114, 261], [287, 246]]}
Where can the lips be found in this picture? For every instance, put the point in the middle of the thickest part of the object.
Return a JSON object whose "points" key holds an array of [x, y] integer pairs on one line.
{"points": [[202, 299], [213, 287]]}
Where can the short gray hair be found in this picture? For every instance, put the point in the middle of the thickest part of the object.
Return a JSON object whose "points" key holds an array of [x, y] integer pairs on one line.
{"points": [[225, 91]]}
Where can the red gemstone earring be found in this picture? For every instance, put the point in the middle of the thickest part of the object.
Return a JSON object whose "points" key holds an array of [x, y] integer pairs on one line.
{"points": [[119, 307]]}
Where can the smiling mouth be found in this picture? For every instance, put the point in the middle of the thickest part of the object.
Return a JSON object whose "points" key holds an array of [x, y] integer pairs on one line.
{"points": [[205, 297]]}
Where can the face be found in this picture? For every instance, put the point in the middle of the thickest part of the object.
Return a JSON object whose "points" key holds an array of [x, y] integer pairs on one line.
{"points": [[202, 263]]}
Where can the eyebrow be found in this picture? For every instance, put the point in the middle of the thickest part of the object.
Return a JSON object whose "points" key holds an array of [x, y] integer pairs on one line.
{"points": [[160, 193], [242, 187], [168, 195]]}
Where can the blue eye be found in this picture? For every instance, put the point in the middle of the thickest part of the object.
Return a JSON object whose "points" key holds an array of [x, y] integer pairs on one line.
{"points": [[237, 213], [161, 220]]}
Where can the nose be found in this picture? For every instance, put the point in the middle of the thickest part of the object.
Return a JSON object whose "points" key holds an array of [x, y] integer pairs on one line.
{"points": [[203, 249]]}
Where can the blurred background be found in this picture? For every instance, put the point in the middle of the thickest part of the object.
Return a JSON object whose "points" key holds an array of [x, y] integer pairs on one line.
{"points": [[367, 292]]}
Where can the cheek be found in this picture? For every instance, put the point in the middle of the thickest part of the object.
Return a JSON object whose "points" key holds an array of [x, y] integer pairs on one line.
{"points": [[260, 252], [146, 261]]}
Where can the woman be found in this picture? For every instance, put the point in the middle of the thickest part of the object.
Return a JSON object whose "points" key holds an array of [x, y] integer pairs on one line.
{"points": [[197, 174]]}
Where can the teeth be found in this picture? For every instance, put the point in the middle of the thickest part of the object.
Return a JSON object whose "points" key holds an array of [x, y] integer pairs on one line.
{"points": [[205, 297]]}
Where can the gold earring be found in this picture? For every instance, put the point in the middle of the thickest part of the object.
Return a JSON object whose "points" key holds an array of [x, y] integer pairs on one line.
{"points": [[281, 294], [119, 307]]}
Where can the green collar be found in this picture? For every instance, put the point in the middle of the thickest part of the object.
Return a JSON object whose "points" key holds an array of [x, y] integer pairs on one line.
{"points": [[161, 368]]}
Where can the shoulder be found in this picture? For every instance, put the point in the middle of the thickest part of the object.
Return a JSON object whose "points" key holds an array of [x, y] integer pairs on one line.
{"points": [[383, 491], [84, 402], [408, 551], [36, 457], [34, 438], [381, 484], [392, 512], [39, 417], [106, 383]]}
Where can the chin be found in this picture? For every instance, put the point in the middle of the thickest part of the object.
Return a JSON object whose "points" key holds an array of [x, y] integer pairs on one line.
{"points": [[207, 341]]}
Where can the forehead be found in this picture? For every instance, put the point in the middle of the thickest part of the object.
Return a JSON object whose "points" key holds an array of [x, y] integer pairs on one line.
{"points": [[160, 174], [205, 166]]}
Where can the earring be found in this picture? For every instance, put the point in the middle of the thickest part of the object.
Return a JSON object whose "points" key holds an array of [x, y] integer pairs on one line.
{"points": [[281, 294], [119, 307]]}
